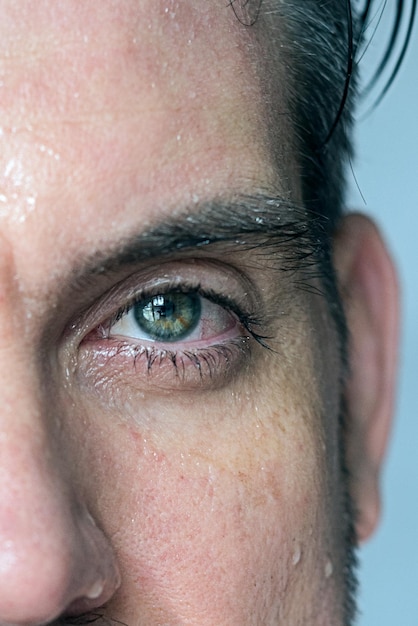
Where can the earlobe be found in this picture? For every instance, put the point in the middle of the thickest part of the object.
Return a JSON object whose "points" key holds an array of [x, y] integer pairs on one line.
{"points": [[369, 290]]}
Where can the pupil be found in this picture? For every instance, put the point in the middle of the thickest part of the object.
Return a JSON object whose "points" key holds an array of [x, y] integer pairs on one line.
{"points": [[168, 317]]}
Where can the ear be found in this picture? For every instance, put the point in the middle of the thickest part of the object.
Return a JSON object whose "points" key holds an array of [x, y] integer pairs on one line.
{"points": [[369, 290]]}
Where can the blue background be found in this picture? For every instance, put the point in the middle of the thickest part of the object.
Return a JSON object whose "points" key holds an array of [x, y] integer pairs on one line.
{"points": [[386, 168]]}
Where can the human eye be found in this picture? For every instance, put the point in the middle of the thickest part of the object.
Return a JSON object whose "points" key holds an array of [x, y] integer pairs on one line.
{"points": [[174, 317], [177, 331]]}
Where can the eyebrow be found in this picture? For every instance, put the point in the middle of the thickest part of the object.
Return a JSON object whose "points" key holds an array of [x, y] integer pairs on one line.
{"points": [[268, 224]]}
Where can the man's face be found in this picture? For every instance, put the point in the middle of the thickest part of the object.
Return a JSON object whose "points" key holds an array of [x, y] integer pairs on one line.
{"points": [[170, 398]]}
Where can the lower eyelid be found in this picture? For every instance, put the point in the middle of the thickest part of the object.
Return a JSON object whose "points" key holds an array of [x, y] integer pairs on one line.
{"points": [[134, 367]]}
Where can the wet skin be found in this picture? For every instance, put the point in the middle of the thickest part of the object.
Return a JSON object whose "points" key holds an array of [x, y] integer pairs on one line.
{"points": [[185, 481]]}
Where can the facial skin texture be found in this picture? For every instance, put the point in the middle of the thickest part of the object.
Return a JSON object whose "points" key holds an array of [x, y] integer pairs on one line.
{"points": [[158, 490]]}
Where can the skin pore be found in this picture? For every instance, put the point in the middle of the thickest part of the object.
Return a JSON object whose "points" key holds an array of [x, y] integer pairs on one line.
{"points": [[194, 481]]}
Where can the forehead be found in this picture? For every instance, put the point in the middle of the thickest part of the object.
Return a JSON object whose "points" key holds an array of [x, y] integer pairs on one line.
{"points": [[113, 117], [79, 62]]}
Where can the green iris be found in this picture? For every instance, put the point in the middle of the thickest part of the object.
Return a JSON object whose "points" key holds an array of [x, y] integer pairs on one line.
{"points": [[168, 317]]}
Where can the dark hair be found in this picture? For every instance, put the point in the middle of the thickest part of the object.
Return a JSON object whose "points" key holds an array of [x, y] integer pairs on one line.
{"points": [[325, 43]]}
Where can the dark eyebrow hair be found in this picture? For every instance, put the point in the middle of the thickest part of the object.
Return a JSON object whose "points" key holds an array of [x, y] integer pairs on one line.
{"points": [[257, 221]]}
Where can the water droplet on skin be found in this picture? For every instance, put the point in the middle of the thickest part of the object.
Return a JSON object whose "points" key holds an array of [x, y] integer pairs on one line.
{"points": [[328, 568], [297, 554]]}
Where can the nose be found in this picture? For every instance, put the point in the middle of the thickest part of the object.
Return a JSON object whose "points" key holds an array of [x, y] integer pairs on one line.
{"points": [[54, 560]]}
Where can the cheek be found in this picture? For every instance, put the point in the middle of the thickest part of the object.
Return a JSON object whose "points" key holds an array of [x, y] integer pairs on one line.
{"points": [[208, 513]]}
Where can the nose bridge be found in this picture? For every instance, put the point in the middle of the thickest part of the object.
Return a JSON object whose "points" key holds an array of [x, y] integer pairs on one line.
{"points": [[52, 556], [30, 488], [31, 504], [25, 447]]}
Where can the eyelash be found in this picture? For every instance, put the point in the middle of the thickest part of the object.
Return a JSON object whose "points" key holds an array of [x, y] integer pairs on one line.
{"points": [[205, 360]]}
